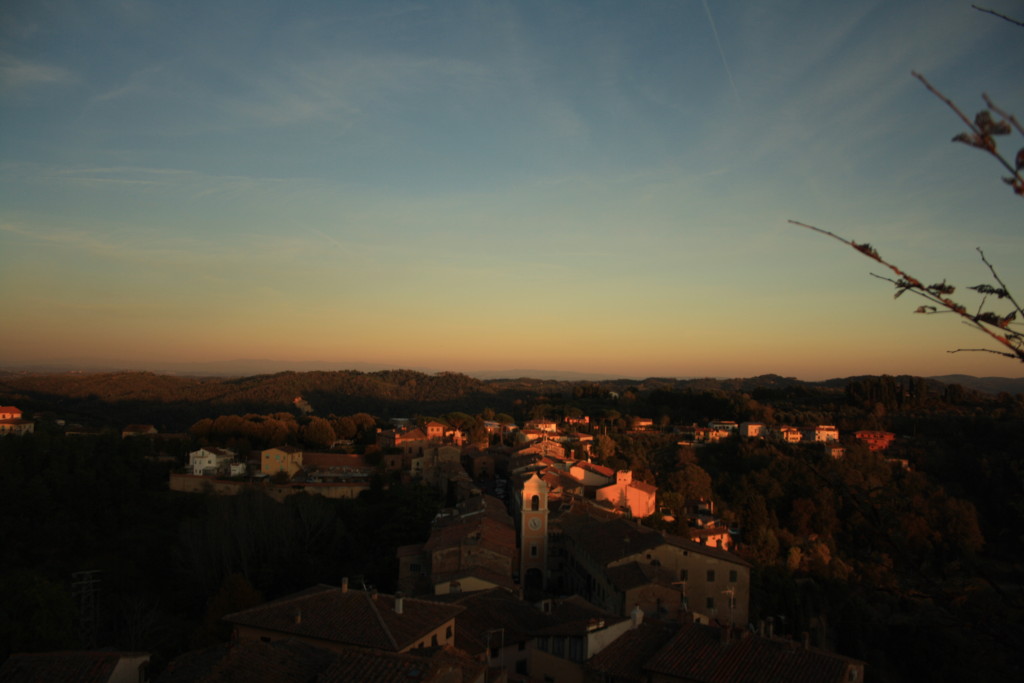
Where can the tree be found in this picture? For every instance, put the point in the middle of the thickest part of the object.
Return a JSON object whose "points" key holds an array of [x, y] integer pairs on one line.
{"points": [[318, 432]]}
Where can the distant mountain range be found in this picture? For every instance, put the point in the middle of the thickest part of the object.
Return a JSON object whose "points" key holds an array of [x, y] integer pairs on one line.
{"points": [[259, 367]]}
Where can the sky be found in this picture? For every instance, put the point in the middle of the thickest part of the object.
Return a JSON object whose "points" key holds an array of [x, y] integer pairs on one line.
{"points": [[591, 186]]}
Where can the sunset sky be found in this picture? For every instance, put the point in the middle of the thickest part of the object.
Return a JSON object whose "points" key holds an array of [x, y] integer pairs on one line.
{"points": [[581, 185]]}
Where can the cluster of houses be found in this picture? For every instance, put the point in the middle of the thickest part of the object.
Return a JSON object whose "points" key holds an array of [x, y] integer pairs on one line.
{"points": [[826, 435], [352, 632], [279, 472], [542, 571]]}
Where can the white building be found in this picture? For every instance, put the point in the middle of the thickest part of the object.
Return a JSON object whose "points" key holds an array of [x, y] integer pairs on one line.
{"points": [[209, 460]]}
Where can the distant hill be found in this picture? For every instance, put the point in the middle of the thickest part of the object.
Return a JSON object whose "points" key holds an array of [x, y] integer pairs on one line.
{"points": [[173, 402], [989, 385]]}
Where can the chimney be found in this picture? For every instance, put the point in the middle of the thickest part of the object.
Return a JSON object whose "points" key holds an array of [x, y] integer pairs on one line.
{"points": [[298, 616], [344, 584], [398, 603], [638, 616]]}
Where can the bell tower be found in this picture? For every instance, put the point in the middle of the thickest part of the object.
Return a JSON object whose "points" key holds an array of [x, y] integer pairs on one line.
{"points": [[533, 533]]}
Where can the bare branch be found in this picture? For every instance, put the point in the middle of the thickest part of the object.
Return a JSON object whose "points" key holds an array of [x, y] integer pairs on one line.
{"points": [[998, 353], [1002, 284], [949, 102], [1009, 117], [990, 324], [997, 14]]}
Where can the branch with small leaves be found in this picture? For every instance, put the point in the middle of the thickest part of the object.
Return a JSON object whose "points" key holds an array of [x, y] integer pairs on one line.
{"points": [[983, 131], [998, 327]]}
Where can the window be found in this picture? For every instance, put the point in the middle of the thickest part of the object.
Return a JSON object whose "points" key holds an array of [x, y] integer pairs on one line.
{"points": [[733, 575], [711, 603], [414, 567], [535, 503], [533, 550], [542, 643], [495, 651], [684, 574], [521, 667], [433, 640], [711, 576], [522, 645], [448, 632], [558, 646]]}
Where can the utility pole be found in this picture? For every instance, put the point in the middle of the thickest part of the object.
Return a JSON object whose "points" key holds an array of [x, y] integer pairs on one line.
{"points": [[731, 592]]}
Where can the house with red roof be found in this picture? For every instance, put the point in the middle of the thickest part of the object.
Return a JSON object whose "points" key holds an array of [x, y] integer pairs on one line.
{"points": [[636, 497], [256, 661], [619, 564], [84, 666], [471, 547], [12, 422], [876, 440], [697, 653], [337, 617]]}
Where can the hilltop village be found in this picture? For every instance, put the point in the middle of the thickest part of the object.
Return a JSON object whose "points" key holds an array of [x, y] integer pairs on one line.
{"points": [[565, 546]]}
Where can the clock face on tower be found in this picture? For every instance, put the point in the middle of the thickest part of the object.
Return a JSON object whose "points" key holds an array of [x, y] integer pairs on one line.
{"points": [[535, 523]]}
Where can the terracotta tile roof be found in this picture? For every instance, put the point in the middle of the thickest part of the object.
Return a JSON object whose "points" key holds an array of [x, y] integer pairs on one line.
{"points": [[608, 541], [325, 460], [60, 667], [412, 435], [284, 661], [698, 653], [695, 547], [624, 659], [484, 532], [519, 620], [482, 573], [129, 428], [635, 574], [363, 666], [351, 617], [599, 469], [293, 661], [574, 616], [222, 452]]}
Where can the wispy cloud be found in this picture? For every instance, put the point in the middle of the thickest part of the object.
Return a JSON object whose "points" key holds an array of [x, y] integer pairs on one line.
{"points": [[721, 52], [18, 73]]}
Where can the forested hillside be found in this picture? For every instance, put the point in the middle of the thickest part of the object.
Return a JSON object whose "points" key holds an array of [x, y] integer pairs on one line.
{"points": [[881, 556]]}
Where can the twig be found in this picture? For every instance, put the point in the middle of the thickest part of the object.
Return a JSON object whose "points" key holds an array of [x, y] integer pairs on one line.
{"points": [[1002, 284], [997, 14], [998, 353], [1009, 117], [949, 102], [940, 295]]}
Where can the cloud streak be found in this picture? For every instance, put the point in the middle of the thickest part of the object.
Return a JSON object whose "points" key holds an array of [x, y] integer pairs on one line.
{"points": [[721, 52]]}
